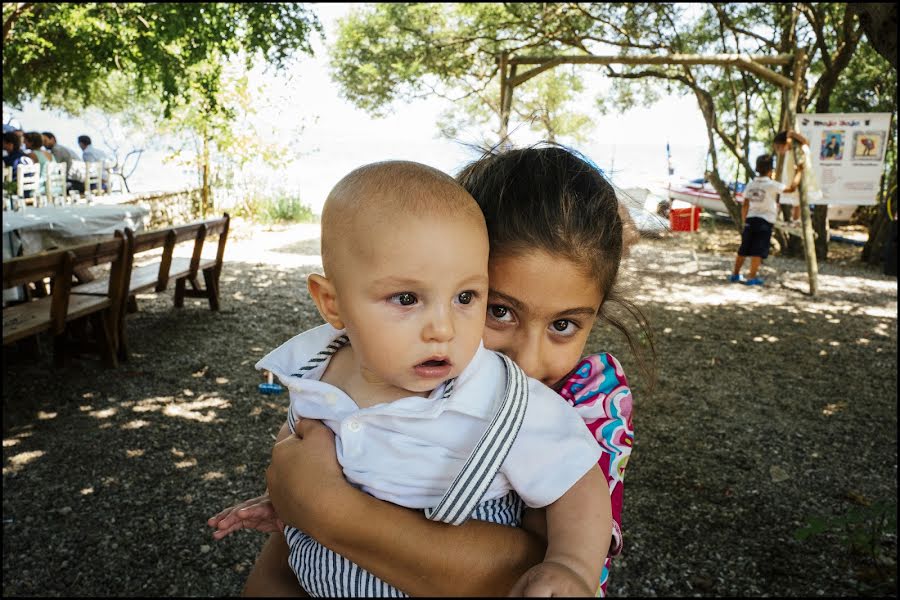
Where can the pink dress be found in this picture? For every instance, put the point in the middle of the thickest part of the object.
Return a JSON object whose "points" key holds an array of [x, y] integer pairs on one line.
{"points": [[599, 391]]}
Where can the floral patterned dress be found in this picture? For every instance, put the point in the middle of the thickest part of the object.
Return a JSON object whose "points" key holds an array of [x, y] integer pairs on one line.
{"points": [[598, 390]]}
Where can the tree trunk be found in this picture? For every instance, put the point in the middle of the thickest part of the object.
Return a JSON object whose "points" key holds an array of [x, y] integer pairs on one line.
{"points": [[879, 21], [204, 191], [507, 73], [705, 101], [881, 225], [820, 227], [790, 244]]}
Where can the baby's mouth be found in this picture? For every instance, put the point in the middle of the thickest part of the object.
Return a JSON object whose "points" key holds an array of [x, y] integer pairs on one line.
{"points": [[435, 363]]}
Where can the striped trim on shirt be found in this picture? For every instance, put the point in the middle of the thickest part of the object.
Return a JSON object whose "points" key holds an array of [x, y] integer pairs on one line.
{"points": [[479, 470]]}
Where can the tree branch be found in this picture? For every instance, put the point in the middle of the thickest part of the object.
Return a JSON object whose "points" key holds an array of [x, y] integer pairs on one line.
{"points": [[20, 9], [726, 20]]}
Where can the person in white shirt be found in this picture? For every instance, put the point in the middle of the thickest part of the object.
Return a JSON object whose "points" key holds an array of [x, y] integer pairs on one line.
{"points": [[92, 154], [793, 171], [759, 213], [424, 416], [64, 154]]}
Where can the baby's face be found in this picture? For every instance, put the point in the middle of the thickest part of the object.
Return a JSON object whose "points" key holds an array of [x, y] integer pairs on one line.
{"points": [[412, 292]]}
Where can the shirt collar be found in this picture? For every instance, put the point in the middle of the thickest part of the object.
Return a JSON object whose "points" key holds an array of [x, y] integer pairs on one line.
{"points": [[483, 383]]}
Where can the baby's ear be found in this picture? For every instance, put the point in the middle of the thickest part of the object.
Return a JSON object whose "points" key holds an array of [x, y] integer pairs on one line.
{"points": [[325, 296]]}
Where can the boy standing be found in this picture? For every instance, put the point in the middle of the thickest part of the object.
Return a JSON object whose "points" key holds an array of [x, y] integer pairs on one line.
{"points": [[759, 211]]}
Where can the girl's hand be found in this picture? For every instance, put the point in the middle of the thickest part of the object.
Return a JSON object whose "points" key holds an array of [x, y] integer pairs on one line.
{"points": [[550, 579], [304, 479], [256, 513]]}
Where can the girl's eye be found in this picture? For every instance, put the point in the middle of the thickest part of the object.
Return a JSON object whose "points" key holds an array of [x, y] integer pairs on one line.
{"points": [[564, 327], [465, 297], [500, 313], [404, 299]]}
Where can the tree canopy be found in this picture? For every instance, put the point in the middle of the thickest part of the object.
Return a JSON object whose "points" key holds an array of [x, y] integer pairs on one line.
{"points": [[62, 54], [390, 52]]}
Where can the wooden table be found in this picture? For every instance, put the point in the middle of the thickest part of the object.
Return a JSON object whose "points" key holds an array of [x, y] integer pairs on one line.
{"points": [[33, 230]]}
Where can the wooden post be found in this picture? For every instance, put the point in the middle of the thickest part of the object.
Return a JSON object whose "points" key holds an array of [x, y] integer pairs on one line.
{"points": [[507, 85], [809, 247], [204, 192]]}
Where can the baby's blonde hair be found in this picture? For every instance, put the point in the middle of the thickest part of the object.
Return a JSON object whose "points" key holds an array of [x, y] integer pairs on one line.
{"points": [[375, 195]]}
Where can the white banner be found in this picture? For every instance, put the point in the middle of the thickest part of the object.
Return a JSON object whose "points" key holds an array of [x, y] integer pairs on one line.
{"points": [[847, 153]]}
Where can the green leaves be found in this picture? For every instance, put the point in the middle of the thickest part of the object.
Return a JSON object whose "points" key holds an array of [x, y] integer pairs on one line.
{"points": [[64, 53]]}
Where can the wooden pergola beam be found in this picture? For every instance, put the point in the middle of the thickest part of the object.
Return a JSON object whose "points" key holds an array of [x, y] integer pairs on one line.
{"points": [[751, 63]]}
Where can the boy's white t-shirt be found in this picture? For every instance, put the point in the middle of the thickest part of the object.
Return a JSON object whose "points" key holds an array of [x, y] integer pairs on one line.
{"points": [[410, 450], [762, 196]]}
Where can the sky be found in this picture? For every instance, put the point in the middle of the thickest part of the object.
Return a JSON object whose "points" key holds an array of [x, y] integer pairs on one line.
{"points": [[339, 137]]}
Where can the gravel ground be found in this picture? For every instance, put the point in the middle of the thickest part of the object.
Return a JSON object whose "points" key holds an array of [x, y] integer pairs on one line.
{"points": [[771, 407]]}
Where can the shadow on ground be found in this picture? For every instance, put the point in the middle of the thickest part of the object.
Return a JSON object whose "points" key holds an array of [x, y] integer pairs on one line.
{"points": [[770, 407]]}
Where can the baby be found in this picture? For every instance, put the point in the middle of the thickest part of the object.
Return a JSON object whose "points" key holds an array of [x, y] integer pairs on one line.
{"points": [[424, 416]]}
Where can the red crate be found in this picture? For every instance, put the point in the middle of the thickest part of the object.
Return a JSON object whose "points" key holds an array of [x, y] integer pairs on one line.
{"points": [[685, 219]]}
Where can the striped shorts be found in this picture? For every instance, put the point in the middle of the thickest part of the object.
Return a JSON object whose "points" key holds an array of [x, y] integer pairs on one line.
{"points": [[324, 573]]}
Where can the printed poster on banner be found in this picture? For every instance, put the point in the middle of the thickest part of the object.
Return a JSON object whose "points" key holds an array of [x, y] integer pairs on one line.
{"points": [[847, 155]]}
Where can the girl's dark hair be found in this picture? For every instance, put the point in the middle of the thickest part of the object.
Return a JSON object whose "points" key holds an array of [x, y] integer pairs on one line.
{"points": [[34, 139], [551, 198]]}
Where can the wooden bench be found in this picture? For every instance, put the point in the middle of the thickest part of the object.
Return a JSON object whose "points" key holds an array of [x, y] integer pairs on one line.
{"points": [[158, 275], [52, 313]]}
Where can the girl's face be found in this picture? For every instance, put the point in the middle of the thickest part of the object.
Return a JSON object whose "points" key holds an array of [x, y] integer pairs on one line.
{"points": [[541, 308]]}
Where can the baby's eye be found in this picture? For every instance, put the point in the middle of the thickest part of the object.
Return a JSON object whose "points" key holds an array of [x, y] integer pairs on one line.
{"points": [[465, 297], [564, 327], [500, 313], [404, 299]]}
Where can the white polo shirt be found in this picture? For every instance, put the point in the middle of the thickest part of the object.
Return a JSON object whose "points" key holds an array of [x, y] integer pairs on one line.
{"points": [[409, 451]]}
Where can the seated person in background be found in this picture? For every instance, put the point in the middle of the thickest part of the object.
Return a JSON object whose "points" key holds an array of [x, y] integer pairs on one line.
{"points": [[34, 142], [399, 372], [14, 155], [67, 155], [91, 154]]}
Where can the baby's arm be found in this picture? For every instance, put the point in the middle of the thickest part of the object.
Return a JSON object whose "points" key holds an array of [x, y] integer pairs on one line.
{"points": [[579, 530], [257, 513]]}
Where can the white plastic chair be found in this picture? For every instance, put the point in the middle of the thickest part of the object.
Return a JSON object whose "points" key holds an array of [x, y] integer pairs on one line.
{"points": [[7, 174], [93, 177], [28, 180], [56, 180]]}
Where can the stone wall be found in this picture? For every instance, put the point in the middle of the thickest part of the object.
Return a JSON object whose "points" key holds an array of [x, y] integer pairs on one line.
{"points": [[169, 208]]}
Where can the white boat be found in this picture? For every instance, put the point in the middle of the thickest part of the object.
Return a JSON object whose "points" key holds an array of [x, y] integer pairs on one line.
{"points": [[700, 192]]}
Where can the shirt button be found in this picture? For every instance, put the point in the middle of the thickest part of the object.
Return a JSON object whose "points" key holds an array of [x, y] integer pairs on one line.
{"points": [[331, 398], [354, 426]]}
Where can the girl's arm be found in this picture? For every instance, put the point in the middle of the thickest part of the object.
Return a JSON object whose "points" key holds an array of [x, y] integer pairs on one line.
{"points": [[599, 392], [799, 137], [396, 544]]}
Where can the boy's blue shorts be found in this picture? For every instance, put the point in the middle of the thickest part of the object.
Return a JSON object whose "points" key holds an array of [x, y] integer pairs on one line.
{"points": [[755, 238]]}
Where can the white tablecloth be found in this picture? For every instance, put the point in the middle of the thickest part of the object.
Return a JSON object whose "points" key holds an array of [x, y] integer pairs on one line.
{"points": [[37, 229]]}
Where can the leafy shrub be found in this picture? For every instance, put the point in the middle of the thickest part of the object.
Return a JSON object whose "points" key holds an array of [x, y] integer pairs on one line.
{"points": [[285, 209]]}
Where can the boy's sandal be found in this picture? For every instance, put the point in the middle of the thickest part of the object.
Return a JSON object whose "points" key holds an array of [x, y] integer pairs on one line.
{"points": [[754, 281]]}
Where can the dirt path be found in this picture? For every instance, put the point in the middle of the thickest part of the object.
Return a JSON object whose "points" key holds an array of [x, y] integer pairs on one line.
{"points": [[771, 407]]}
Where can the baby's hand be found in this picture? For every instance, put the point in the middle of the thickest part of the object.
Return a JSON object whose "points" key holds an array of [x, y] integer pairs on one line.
{"points": [[551, 579], [256, 513]]}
